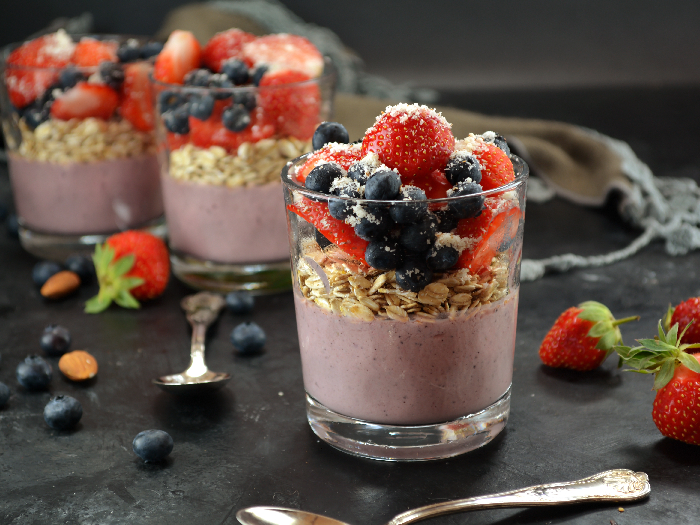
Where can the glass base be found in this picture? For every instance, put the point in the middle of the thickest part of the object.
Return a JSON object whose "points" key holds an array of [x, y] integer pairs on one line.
{"points": [[259, 279], [408, 443], [57, 247]]}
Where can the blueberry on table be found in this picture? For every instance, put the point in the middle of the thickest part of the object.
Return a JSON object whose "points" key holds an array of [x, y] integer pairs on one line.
{"points": [[383, 255], [151, 49], [43, 270], [409, 208], [236, 70], [420, 236], [374, 222], [55, 340], [240, 302], [197, 78], [248, 338], [152, 445], [81, 265], [177, 120], [383, 185], [321, 177], [469, 207], [4, 394], [329, 132], [201, 106], [462, 167], [34, 373], [442, 259], [235, 118], [63, 412], [413, 274]]}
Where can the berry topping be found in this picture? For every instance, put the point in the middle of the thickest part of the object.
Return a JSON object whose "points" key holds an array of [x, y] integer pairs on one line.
{"points": [[465, 208], [55, 340], [410, 209], [496, 167], [248, 338], [112, 74], [462, 167], [69, 77], [441, 258], [371, 222], [235, 118], [283, 51], [345, 155], [419, 236], [291, 102], [240, 302], [169, 100], [322, 176], [328, 132], [497, 140], [213, 132], [152, 446], [201, 106], [34, 373], [413, 139], [434, 184], [236, 70], [413, 274], [180, 55], [85, 100], [178, 120], [90, 52], [224, 46], [129, 51], [63, 412], [383, 185], [137, 104], [383, 255], [343, 187], [43, 270], [197, 78], [686, 314], [151, 49]]}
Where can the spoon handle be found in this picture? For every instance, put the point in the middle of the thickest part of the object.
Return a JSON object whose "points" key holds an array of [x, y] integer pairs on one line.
{"points": [[612, 485]]}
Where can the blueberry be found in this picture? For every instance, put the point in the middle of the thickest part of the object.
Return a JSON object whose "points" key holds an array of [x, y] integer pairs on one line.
{"points": [[442, 258], [152, 445], [201, 106], [410, 209], [63, 412], [360, 171], [129, 52], [383, 255], [43, 270], [329, 132], [197, 78], [236, 70], [420, 236], [321, 177], [177, 120], [112, 74], [342, 209], [34, 373], [4, 394], [248, 338], [322, 241], [245, 98], [374, 223], [69, 77], [240, 302], [33, 116], [83, 266], [151, 49], [413, 274], [12, 225], [500, 142], [169, 100], [462, 167], [217, 83], [467, 207], [446, 220], [55, 340], [257, 74], [235, 118], [383, 185]]}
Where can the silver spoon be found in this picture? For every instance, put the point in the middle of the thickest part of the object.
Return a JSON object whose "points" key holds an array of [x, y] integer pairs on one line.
{"points": [[202, 310], [612, 485]]}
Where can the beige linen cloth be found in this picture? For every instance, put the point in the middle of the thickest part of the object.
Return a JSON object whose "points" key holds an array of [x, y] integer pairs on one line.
{"points": [[578, 164]]}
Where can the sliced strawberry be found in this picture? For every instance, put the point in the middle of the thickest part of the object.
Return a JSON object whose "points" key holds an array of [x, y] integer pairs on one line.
{"points": [[180, 55], [90, 52], [176, 141], [212, 132], [496, 167], [224, 45], [137, 98], [413, 139], [345, 155], [85, 100], [434, 184], [283, 51], [341, 234], [292, 102]]}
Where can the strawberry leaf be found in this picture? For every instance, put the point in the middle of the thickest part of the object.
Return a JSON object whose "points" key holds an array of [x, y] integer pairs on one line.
{"points": [[96, 304], [594, 311], [123, 265], [665, 374], [607, 342], [689, 362], [126, 300], [600, 328], [672, 335], [656, 346]]}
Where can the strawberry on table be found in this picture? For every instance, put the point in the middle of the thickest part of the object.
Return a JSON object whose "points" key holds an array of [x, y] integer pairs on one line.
{"points": [[137, 103], [224, 45], [684, 314], [284, 51], [180, 55], [677, 381], [132, 265], [496, 167], [91, 52], [85, 100], [582, 337], [291, 102]]}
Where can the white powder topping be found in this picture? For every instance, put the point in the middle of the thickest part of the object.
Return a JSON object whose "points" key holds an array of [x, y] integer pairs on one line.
{"points": [[489, 136], [372, 160], [469, 145], [336, 147], [359, 213], [406, 190], [404, 112], [344, 183], [451, 240], [60, 46]]}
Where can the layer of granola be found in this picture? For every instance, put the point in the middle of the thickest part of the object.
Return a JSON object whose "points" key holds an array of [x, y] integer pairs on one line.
{"points": [[253, 164], [368, 294], [83, 140]]}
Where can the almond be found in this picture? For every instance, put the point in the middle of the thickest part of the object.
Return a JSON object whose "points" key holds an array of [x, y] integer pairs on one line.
{"points": [[60, 284], [78, 365]]}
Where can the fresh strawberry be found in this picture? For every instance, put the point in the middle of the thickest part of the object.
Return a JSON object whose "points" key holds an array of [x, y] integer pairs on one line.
{"points": [[24, 82], [677, 381], [434, 184], [413, 139], [131, 266], [137, 103], [224, 45], [180, 55], [176, 141], [345, 155], [291, 102], [684, 314], [496, 167], [341, 234], [90, 52], [85, 100], [212, 132], [582, 337], [283, 51]]}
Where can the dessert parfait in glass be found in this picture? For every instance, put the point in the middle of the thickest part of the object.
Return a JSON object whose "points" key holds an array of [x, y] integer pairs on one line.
{"points": [[230, 115], [406, 253], [77, 118]]}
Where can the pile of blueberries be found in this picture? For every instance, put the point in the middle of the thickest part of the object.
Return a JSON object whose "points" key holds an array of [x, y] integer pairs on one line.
{"points": [[401, 235], [177, 106], [111, 73]]}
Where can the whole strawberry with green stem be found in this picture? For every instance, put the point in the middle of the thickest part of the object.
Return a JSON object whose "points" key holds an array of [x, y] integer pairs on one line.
{"points": [[132, 265], [684, 314], [677, 381], [582, 337]]}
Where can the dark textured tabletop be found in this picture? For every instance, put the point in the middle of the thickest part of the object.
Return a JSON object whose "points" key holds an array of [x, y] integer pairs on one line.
{"points": [[250, 443]]}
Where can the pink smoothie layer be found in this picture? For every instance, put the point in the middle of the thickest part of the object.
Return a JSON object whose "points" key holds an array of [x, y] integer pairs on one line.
{"points": [[407, 373], [84, 198], [239, 225]]}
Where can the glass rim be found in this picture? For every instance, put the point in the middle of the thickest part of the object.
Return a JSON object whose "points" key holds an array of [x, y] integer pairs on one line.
{"points": [[522, 172]]}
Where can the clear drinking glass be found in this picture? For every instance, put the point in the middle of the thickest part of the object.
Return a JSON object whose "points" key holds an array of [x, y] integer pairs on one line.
{"points": [[77, 181], [223, 198], [393, 374]]}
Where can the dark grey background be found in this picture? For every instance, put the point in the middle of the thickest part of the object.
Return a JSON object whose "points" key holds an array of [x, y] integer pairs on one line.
{"points": [[458, 44]]}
